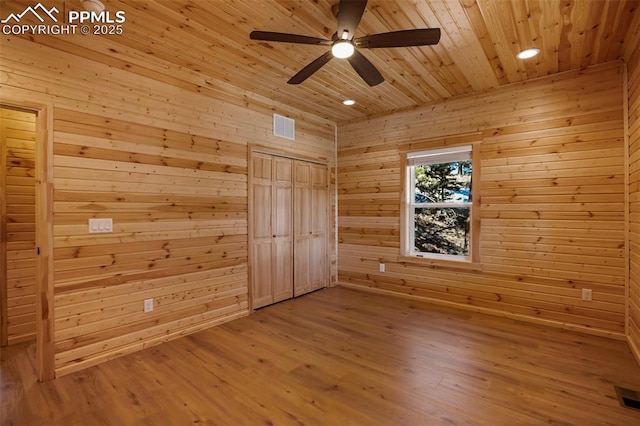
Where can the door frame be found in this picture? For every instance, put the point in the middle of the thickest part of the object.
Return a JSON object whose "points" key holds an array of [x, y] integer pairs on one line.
{"points": [[45, 354], [261, 149]]}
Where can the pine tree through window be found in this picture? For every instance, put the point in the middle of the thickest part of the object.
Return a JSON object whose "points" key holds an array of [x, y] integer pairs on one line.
{"points": [[440, 202]]}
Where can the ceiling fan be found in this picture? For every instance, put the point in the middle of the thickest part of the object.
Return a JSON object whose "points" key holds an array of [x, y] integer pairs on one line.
{"points": [[344, 45]]}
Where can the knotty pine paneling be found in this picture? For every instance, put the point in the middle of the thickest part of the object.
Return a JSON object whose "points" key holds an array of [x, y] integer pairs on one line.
{"points": [[169, 166], [203, 46], [633, 87], [551, 200], [17, 146], [179, 209]]}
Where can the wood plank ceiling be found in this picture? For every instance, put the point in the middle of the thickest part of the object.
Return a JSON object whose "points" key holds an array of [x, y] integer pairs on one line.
{"points": [[204, 45]]}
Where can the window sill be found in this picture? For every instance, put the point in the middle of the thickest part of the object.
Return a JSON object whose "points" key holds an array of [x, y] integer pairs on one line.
{"points": [[441, 263]]}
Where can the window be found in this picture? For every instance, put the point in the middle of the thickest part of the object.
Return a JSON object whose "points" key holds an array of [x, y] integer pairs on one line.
{"points": [[439, 203]]}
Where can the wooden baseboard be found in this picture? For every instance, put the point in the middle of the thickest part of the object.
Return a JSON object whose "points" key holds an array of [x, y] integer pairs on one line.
{"points": [[635, 350], [493, 312], [135, 347]]}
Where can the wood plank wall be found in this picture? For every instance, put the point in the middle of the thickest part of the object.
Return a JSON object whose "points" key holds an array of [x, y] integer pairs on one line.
{"points": [[633, 87], [169, 165], [551, 195], [18, 228]]}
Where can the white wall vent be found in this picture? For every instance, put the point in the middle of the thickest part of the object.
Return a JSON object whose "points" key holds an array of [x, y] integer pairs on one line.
{"points": [[284, 127]]}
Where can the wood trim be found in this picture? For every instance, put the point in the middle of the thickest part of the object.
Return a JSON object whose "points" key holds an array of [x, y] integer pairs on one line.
{"points": [[475, 203], [286, 154], [333, 279], [493, 312], [627, 199], [327, 218], [404, 211], [635, 350], [441, 142], [250, 213], [45, 348], [440, 263], [44, 241], [4, 312]]}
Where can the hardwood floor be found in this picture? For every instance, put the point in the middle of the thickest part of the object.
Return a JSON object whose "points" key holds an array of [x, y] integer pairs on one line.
{"points": [[340, 357]]}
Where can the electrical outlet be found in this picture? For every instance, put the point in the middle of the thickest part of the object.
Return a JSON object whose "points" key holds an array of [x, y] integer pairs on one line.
{"points": [[382, 267], [586, 294], [148, 305]]}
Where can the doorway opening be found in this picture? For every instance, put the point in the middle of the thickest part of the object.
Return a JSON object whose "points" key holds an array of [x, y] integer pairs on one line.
{"points": [[26, 230], [17, 226]]}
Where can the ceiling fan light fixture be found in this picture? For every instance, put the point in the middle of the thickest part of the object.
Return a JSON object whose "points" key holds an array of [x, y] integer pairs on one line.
{"points": [[342, 49], [348, 102], [528, 53], [348, 14]]}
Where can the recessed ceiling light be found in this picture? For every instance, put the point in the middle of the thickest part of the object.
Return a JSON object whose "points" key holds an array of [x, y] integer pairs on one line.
{"points": [[528, 53], [349, 102]]}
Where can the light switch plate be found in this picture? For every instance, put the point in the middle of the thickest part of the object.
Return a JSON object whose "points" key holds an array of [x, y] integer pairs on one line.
{"points": [[148, 305], [100, 226]]}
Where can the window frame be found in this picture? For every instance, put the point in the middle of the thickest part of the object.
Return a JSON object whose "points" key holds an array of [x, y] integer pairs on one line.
{"points": [[407, 221]]}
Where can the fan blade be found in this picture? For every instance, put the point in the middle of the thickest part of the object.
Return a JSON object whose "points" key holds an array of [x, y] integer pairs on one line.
{"points": [[365, 69], [420, 37], [349, 16], [287, 38], [307, 71]]}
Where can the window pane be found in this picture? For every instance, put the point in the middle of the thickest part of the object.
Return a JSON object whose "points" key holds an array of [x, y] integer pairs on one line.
{"points": [[443, 183], [442, 231]]}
